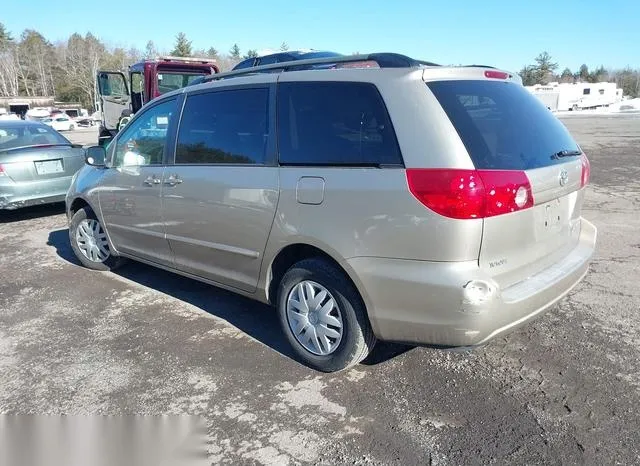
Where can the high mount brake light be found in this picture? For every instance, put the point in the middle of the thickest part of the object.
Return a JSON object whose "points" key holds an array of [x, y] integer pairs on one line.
{"points": [[496, 74], [471, 194]]}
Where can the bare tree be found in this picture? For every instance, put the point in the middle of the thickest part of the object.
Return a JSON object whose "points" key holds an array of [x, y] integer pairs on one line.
{"points": [[8, 72], [8, 69], [150, 50], [83, 58]]}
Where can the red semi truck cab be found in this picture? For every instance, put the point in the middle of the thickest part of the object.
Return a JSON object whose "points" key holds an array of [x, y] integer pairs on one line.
{"points": [[120, 96]]}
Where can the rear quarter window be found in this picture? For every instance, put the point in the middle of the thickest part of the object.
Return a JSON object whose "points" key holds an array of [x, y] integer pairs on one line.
{"points": [[502, 125], [334, 124]]}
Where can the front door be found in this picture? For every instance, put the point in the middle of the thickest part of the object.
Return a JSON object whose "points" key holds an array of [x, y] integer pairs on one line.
{"points": [[220, 196], [113, 96], [130, 193]]}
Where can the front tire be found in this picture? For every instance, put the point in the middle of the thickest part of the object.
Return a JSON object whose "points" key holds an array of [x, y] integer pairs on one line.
{"points": [[89, 242], [323, 316]]}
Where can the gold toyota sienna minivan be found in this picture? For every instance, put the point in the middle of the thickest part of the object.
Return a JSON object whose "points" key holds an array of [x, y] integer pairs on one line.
{"points": [[370, 197]]}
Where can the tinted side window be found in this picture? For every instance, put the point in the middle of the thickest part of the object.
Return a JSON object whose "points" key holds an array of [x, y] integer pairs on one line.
{"points": [[142, 141], [267, 60], [248, 63], [283, 57], [224, 127], [334, 123]]}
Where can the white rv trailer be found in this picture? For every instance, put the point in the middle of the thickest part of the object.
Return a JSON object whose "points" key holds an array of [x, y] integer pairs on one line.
{"points": [[576, 96]]}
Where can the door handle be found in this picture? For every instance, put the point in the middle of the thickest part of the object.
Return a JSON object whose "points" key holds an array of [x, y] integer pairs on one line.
{"points": [[151, 180], [173, 180]]}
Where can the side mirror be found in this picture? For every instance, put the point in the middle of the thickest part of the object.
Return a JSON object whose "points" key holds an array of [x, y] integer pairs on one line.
{"points": [[95, 156]]}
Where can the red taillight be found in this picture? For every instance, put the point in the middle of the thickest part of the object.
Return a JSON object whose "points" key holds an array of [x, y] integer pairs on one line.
{"points": [[506, 191], [586, 171], [2, 173], [467, 194], [496, 74], [452, 193]]}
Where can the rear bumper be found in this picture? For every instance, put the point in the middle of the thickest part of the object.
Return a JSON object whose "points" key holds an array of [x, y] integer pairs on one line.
{"points": [[426, 302], [17, 195]]}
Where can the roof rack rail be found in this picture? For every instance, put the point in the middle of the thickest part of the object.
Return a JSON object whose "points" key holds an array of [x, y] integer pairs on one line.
{"points": [[384, 60]]}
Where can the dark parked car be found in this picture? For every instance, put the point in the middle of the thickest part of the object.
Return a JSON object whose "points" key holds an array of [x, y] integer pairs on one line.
{"points": [[280, 57], [36, 164], [283, 57]]}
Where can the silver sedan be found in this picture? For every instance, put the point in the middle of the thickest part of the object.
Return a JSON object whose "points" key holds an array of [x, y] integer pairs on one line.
{"points": [[36, 164]]}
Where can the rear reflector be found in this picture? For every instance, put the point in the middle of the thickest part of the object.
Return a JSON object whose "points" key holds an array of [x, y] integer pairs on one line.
{"points": [[586, 171], [496, 74], [468, 194]]}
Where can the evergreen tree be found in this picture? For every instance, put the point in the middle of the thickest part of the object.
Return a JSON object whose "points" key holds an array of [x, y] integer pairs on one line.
{"points": [[212, 53], [544, 68], [529, 76], [583, 74], [566, 76], [182, 47], [234, 52], [251, 54], [5, 36], [599, 75]]}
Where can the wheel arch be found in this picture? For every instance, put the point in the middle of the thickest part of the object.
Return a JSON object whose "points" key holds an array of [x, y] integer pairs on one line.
{"points": [[79, 203], [293, 253]]}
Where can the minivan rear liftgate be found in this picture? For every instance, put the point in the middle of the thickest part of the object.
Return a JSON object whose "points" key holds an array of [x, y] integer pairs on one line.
{"points": [[528, 177]]}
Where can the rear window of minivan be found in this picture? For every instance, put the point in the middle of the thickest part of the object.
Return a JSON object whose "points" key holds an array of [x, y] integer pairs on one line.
{"points": [[502, 125]]}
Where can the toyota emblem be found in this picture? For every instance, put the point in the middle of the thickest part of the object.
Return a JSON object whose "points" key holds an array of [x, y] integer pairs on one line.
{"points": [[564, 177]]}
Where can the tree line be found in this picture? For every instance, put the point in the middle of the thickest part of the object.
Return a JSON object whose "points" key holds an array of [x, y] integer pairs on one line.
{"points": [[543, 71], [31, 65]]}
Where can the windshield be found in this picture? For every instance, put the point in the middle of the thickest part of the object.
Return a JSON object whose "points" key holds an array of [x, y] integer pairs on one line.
{"points": [[502, 125], [26, 135], [168, 82]]}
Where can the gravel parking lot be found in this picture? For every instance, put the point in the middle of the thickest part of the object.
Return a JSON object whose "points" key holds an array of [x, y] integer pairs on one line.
{"points": [[85, 136], [564, 389]]}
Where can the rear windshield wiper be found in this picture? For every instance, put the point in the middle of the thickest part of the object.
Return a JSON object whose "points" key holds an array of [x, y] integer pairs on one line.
{"points": [[566, 153]]}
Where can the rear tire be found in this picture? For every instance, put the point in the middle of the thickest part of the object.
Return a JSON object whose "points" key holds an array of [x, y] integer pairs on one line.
{"points": [[341, 331], [89, 243]]}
